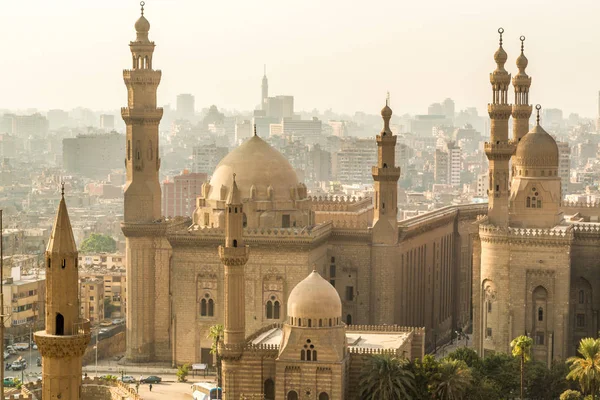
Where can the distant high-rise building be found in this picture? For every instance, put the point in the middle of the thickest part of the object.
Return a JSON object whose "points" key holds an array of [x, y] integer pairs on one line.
{"points": [[435, 109], [482, 185], [352, 163], [338, 128], [243, 130], [185, 106], [206, 157], [264, 91], [440, 171], [29, 125], [448, 108], [564, 166], [422, 125], [107, 121], [179, 195], [448, 165], [93, 156], [57, 118], [280, 107]]}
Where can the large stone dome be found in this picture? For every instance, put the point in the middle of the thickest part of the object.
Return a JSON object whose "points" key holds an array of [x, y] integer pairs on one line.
{"points": [[537, 149], [257, 164], [314, 298]]}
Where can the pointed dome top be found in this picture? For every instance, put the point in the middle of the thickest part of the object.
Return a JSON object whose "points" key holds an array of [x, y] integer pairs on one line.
{"points": [[314, 298], [537, 148], [234, 196], [522, 60], [61, 239], [500, 55]]}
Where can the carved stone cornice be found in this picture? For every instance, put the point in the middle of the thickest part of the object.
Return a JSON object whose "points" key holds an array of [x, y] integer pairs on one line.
{"points": [[499, 111], [521, 111], [525, 237], [54, 346], [151, 116], [234, 256], [152, 229]]}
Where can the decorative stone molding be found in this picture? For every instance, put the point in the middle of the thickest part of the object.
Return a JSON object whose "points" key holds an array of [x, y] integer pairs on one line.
{"points": [[234, 256], [154, 229], [53, 346]]}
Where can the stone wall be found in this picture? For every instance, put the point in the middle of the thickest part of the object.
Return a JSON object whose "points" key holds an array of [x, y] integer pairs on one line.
{"points": [[108, 347], [99, 389]]}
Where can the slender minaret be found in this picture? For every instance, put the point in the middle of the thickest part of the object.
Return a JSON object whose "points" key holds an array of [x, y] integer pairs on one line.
{"points": [[234, 256], [265, 90], [385, 176], [385, 225], [498, 149], [142, 194], [521, 110], [66, 337]]}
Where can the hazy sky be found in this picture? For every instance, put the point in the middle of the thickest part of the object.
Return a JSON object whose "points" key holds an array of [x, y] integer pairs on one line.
{"points": [[334, 54]]}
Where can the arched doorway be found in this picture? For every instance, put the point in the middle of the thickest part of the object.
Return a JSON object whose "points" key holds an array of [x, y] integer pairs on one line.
{"points": [[60, 324], [292, 395], [323, 396], [269, 389]]}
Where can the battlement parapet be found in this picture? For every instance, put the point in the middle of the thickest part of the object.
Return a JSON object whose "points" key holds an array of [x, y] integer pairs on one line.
{"points": [[386, 328], [371, 351], [580, 204], [339, 203]]}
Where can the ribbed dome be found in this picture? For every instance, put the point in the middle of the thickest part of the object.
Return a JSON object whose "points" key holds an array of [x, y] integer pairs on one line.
{"points": [[142, 25], [500, 56], [314, 298], [537, 149], [522, 63], [257, 164]]}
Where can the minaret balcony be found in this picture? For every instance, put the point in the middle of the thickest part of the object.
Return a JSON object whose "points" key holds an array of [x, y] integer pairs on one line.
{"points": [[499, 111], [64, 346], [385, 173], [387, 139], [521, 111], [499, 149], [141, 114], [142, 76], [234, 256]]}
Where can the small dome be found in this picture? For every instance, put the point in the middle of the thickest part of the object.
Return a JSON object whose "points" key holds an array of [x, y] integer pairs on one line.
{"points": [[314, 298], [142, 25], [256, 164], [522, 62], [500, 56], [537, 149], [386, 112]]}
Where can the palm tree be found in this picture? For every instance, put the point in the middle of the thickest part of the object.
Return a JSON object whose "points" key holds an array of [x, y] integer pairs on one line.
{"points": [[387, 377], [216, 334], [586, 368], [521, 347], [452, 380]]}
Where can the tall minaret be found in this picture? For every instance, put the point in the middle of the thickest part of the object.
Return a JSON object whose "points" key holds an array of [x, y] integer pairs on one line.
{"points": [[66, 337], [498, 149], [521, 110], [265, 90], [142, 190], [386, 176], [234, 256], [142, 196]]}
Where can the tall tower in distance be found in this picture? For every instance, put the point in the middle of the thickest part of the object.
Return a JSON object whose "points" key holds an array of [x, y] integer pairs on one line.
{"points": [[234, 256], [141, 225], [498, 149], [264, 90], [66, 337]]}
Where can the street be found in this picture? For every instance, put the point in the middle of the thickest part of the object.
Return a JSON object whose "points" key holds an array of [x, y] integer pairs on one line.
{"points": [[29, 374], [168, 390]]}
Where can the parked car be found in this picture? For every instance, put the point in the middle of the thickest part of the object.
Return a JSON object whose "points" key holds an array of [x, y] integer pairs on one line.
{"points": [[11, 350], [18, 365], [127, 379], [21, 346], [9, 381], [151, 379]]}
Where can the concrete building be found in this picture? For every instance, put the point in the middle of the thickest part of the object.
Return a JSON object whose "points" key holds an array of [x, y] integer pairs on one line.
{"points": [[186, 107], [179, 195], [35, 125], [93, 156], [422, 125], [107, 122], [243, 131], [441, 167], [482, 185], [564, 166], [57, 119], [338, 128], [280, 107], [206, 157], [91, 300], [25, 296], [350, 164], [66, 336]]}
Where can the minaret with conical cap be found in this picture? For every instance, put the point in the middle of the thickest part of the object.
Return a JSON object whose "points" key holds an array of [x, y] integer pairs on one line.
{"points": [[499, 149], [264, 90], [386, 175], [234, 256], [63, 342], [521, 110], [142, 203]]}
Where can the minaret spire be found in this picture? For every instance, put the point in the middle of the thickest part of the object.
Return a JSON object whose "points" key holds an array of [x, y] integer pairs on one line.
{"points": [[498, 149]]}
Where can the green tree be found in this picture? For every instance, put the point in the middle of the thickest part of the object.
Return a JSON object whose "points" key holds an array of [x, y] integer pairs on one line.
{"points": [[452, 380], [182, 372], [521, 348], [571, 395], [98, 243], [501, 370], [586, 368], [387, 378], [466, 354], [216, 334], [424, 371], [109, 308]]}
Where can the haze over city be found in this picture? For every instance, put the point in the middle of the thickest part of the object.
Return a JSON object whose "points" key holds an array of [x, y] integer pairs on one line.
{"points": [[329, 54]]}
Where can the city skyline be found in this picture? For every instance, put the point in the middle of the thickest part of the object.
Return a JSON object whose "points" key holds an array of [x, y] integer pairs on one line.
{"points": [[318, 62]]}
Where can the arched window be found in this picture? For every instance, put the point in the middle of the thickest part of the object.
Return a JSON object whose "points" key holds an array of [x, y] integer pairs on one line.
{"points": [[129, 149], [292, 395], [234, 242], [60, 324], [303, 355], [314, 355], [276, 308], [323, 396], [581, 296], [384, 165], [308, 355], [540, 314], [244, 221], [539, 203], [348, 319], [269, 389], [49, 262], [528, 202], [533, 202], [64, 263], [269, 309], [211, 308], [309, 322], [235, 210], [329, 321], [320, 322], [203, 308]]}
